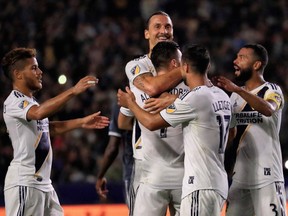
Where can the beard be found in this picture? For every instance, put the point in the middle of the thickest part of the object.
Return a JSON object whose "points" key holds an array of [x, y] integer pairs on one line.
{"points": [[245, 75]]}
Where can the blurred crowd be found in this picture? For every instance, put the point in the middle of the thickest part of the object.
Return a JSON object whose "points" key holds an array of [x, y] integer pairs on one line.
{"points": [[98, 37]]}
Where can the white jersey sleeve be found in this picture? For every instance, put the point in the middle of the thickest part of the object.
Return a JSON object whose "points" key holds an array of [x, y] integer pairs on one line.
{"points": [[139, 66]]}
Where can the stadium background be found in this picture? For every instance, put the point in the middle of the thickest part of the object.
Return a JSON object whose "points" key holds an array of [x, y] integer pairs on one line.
{"points": [[98, 37]]}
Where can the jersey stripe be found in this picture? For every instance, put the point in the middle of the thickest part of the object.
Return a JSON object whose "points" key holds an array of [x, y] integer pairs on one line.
{"points": [[42, 151], [137, 136]]}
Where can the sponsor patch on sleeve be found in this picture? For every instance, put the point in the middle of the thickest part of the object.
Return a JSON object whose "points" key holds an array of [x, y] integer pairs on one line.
{"points": [[274, 96], [171, 108], [135, 70], [23, 104]]}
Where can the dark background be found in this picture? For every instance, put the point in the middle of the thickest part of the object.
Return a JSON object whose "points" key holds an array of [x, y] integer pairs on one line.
{"points": [[98, 37]]}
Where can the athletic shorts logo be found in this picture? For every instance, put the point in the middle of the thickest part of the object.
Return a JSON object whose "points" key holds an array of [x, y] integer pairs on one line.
{"points": [[135, 70], [171, 108], [23, 104]]}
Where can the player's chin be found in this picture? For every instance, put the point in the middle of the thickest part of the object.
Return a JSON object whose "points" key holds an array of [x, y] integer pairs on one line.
{"points": [[237, 73], [38, 86]]}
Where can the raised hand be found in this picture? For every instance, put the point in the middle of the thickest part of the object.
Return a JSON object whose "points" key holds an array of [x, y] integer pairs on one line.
{"points": [[225, 83], [124, 98], [84, 83]]}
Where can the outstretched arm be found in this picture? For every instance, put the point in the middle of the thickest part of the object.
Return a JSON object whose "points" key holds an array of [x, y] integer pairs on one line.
{"points": [[93, 121], [266, 107], [53, 105], [151, 121]]}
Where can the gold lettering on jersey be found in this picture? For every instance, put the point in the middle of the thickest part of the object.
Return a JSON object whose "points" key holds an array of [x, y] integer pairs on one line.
{"points": [[244, 118], [221, 105]]}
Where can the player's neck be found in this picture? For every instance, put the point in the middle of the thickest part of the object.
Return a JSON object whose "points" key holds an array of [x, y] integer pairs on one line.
{"points": [[254, 83], [199, 80], [23, 90]]}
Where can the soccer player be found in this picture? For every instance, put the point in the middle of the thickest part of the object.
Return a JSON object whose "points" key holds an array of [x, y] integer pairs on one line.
{"points": [[258, 183], [28, 189], [204, 113], [162, 150], [142, 77]]}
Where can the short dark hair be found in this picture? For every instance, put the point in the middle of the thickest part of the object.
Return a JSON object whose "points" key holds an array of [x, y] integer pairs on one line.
{"points": [[196, 56], [260, 53], [163, 52], [155, 14], [12, 59]]}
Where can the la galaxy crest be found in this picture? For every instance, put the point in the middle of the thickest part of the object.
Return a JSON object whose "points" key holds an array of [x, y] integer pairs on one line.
{"points": [[135, 70], [23, 104], [171, 108]]}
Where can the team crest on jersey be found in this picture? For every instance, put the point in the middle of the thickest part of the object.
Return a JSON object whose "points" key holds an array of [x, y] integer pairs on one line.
{"points": [[135, 70], [23, 104], [171, 108]]}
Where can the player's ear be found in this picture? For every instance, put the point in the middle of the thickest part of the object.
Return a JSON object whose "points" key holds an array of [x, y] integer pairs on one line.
{"points": [[17, 74], [185, 67], [146, 34], [174, 63], [257, 65]]}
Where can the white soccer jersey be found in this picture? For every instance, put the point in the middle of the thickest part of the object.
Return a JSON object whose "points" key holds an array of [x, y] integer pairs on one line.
{"points": [[32, 161], [136, 135], [134, 68], [162, 150], [259, 157], [205, 114]]}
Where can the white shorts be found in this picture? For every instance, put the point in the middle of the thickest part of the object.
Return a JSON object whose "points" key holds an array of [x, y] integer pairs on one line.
{"points": [[134, 184], [269, 200], [202, 203], [151, 201], [23, 200]]}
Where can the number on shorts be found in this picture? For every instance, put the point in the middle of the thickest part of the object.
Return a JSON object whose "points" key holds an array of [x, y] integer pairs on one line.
{"points": [[274, 208], [223, 122]]}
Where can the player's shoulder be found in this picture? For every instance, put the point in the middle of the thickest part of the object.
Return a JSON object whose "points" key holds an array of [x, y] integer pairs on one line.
{"points": [[139, 65], [14, 96], [273, 86], [138, 59]]}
